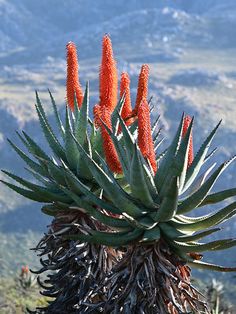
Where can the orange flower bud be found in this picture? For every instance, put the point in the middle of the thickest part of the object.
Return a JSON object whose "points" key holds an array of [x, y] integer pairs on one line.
{"points": [[145, 141], [108, 76], [24, 270], [187, 121], [97, 113], [125, 90], [73, 87], [142, 91]]}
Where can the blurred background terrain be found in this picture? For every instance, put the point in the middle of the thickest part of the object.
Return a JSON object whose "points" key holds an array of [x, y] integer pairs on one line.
{"points": [[190, 47]]}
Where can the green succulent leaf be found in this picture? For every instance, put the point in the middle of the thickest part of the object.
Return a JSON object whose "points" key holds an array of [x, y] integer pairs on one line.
{"points": [[210, 155], [50, 136], [179, 164], [149, 179], [199, 159], [78, 187], [72, 153], [27, 194], [153, 234], [198, 197], [44, 180], [33, 147], [116, 239], [156, 146], [96, 142], [197, 236], [82, 168], [146, 223], [55, 172], [42, 112], [187, 219], [201, 247], [52, 195], [170, 232], [207, 221], [98, 215], [168, 158], [225, 245], [50, 210], [133, 128], [128, 138], [154, 126], [181, 159], [115, 115], [81, 122], [138, 183], [169, 203], [200, 180], [218, 197], [57, 116], [208, 266], [31, 163], [161, 155]]}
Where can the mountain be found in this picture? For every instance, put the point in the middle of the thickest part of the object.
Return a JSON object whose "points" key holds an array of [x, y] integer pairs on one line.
{"points": [[190, 46]]}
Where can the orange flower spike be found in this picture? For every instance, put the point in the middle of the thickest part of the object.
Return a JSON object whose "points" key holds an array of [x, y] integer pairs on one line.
{"points": [[187, 121], [108, 76], [97, 113], [142, 91], [73, 87], [108, 146], [145, 141], [24, 270], [125, 89]]}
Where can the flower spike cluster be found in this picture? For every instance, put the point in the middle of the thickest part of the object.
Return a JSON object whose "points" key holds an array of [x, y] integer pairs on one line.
{"points": [[145, 140], [187, 121], [108, 88], [73, 86], [108, 101]]}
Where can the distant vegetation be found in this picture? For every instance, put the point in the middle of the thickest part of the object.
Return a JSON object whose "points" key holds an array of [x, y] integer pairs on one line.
{"points": [[21, 291]]}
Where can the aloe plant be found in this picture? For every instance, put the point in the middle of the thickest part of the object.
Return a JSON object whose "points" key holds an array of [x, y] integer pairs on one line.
{"points": [[121, 238]]}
